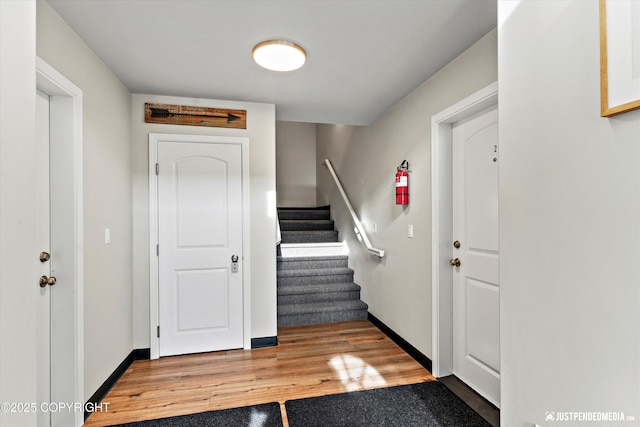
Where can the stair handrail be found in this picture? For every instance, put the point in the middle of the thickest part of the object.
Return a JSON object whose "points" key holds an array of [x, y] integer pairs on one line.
{"points": [[359, 229]]}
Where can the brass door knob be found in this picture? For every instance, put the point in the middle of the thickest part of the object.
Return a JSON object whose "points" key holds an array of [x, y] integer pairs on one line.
{"points": [[44, 281], [455, 262]]}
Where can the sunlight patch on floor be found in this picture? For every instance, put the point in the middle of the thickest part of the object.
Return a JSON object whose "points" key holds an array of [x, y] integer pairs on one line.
{"points": [[258, 419], [355, 374]]}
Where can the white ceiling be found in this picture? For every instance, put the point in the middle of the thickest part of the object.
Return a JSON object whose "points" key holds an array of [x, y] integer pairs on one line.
{"points": [[363, 55]]}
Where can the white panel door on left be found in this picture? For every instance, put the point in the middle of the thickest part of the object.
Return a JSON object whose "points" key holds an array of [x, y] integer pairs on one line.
{"points": [[43, 314], [199, 234]]}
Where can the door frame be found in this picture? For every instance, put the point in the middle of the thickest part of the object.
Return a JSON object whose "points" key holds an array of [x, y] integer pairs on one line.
{"points": [[154, 314], [442, 222], [67, 306]]}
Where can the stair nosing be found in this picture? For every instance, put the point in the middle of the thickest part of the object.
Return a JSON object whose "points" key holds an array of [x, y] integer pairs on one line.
{"points": [[309, 231], [282, 258], [306, 220], [317, 288], [323, 307], [295, 208], [335, 271]]}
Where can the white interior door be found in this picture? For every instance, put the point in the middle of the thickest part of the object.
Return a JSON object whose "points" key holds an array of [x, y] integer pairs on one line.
{"points": [[200, 211], [44, 237], [60, 334], [476, 288]]}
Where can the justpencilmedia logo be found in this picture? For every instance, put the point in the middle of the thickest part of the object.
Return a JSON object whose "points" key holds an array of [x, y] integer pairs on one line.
{"points": [[587, 416]]}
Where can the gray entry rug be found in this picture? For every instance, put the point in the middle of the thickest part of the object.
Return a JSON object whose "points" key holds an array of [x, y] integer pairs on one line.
{"points": [[266, 415], [428, 404]]}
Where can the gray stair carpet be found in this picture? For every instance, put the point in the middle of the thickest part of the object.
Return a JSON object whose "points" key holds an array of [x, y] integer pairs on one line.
{"points": [[305, 225], [309, 236], [304, 213], [314, 289]]}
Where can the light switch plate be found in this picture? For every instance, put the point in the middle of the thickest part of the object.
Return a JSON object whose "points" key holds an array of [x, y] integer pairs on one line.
{"points": [[107, 236], [410, 231]]}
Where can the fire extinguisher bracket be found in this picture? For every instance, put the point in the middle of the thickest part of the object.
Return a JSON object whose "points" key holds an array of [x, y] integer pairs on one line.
{"points": [[402, 183]]}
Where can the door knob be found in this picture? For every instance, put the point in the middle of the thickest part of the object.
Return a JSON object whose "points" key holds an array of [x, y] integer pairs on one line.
{"points": [[44, 256], [44, 281], [456, 244], [455, 262]]}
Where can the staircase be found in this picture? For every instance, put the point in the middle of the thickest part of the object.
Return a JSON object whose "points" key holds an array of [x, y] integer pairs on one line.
{"points": [[315, 284]]}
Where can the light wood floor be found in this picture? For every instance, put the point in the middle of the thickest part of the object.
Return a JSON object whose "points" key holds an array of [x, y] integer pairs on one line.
{"points": [[309, 361]]}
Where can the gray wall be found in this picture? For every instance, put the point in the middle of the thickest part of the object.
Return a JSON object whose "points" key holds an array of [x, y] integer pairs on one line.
{"points": [[398, 288], [569, 213], [18, 240], [107, 195], [296, 164]]}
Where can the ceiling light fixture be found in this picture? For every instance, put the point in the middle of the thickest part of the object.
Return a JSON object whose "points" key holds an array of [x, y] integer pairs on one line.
{"points": [[279, 55]]}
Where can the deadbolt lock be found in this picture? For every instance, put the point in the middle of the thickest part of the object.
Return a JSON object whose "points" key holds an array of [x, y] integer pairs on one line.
{"points": [[234, 263], [44, 256], [456, 244], [455, 262], [44, 281]]}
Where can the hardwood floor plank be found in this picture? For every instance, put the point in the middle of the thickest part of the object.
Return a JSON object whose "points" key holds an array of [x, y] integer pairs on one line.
{"points": [[310, 360]]}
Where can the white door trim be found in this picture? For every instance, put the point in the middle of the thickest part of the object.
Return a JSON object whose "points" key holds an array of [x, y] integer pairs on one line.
{"points": [[154, 139], [442, 223], [67, 305]]}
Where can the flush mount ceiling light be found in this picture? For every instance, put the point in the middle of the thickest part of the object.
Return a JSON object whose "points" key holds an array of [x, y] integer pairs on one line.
{"points": [[279, 55]]}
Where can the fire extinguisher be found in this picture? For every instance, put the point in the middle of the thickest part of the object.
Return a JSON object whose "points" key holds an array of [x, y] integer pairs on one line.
{"points": [[402, 184]]}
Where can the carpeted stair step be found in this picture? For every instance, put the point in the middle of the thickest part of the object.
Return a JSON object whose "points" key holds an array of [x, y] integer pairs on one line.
{"points": [[312, 262], [323, 213], [314, 287], [298, 250], [312, 236], [323, 312], [306, 294], [315, 276], [305, 224]]}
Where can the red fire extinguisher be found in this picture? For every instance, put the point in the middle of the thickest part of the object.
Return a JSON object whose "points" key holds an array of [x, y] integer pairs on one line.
{"points": [[402, 184]]}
